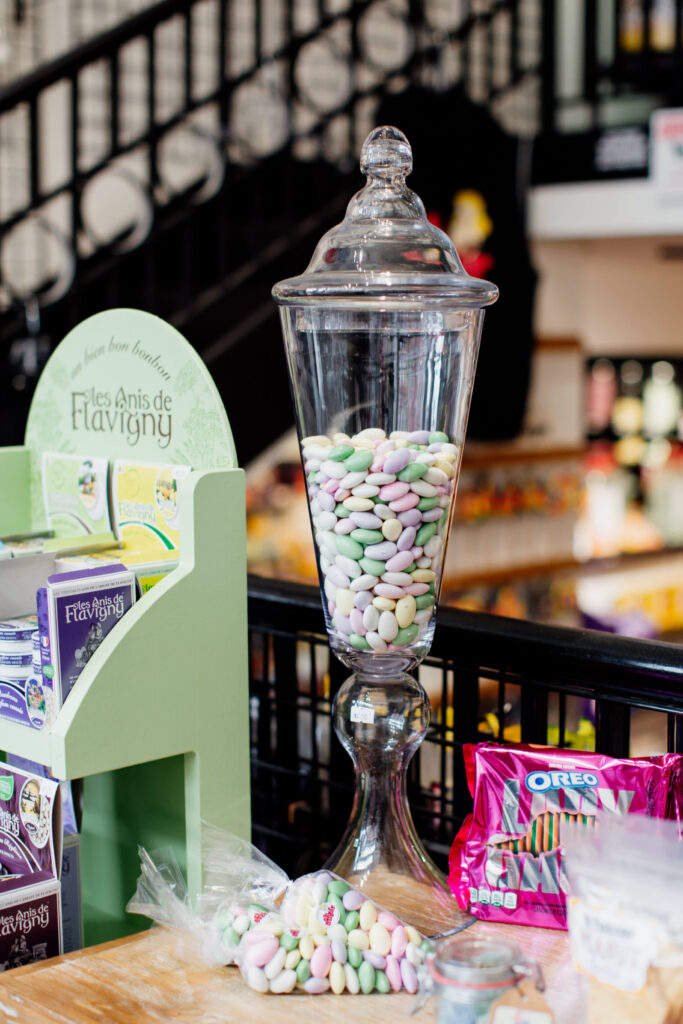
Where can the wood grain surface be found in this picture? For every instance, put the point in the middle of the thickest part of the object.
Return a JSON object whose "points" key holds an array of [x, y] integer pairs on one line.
{"points": [[149, 979]]}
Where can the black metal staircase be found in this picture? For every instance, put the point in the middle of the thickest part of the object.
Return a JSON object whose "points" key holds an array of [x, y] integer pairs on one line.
{"points": [[184, 160]]}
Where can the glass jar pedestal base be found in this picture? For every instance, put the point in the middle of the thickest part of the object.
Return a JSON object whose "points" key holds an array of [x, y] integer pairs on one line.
{"points": [[381, 722]]}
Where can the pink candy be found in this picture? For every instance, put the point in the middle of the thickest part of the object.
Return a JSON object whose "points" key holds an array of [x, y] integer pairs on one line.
{"points": [[393, 973], [399, 941], [392, 492], [321, 961], [405, 503]]}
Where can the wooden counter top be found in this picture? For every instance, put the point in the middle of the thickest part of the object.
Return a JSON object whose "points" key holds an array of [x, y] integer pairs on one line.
{"points": [[145, 979]]}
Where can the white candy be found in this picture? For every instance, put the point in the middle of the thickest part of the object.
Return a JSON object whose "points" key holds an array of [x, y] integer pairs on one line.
{"points": [[257, 980], [335, 470], [423, 616], [315, 451], [319, 892], [365, 491], [352, 480], [365, 582], [315, 509], [388, 626], [424, 489], [398, 579], [276, 964], [284, 982], [384, 512], [349, 566], [433, 545], [241, 924], [379, 479], [326, 541], [424, 563], [371, 618], [435, 476], [325, 521], [413, 954], [376, 642], [330, 590], [371, 434]]}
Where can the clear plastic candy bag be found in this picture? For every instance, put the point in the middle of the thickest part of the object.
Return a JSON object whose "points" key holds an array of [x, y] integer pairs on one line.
{"points": [[626, 918], [315, 934]]}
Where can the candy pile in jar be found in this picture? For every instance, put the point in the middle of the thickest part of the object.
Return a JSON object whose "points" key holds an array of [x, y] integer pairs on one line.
{"points": [[380, 508], [327, 936]]}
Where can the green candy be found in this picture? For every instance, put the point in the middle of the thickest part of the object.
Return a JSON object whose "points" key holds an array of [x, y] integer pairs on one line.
{"points": [[410, 568], [406, 635], [381, 982], [359, 460], [349, 548], [341, 511], [432, 588], [366, 977], [351, 922], [443, 520], [359, 642], [367, 536], [288, 941], [426, 531], [340, 452], [224, 917], [413, 471], [424, 504], [424, 601], [438, 437], [230, 937], [373, 566], [355, 957], [337, 887], [303, 970]]}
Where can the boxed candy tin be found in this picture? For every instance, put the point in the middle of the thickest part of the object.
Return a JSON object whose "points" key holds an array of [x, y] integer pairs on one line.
{"points": [[506, 862]]}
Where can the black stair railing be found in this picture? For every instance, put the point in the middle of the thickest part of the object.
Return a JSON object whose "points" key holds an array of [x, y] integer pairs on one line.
{"points": [[480, 37]]}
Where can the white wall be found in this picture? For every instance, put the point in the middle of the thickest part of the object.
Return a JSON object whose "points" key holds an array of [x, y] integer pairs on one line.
{"points": [[616, 296]]}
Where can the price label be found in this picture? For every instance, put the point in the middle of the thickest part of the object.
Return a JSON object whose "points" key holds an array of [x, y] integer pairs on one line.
{"points": [[362, 713]]}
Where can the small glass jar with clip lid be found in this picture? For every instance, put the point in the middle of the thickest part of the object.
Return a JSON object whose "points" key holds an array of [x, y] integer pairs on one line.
{"points": [[467, 975]]}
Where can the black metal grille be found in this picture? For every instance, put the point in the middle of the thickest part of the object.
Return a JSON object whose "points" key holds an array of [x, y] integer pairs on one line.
{"points": [[525, 673]]}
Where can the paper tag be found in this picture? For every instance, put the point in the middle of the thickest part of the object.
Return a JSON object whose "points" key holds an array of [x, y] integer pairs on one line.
{"points": [[614, 947], [522, 1004], [362, 713]]}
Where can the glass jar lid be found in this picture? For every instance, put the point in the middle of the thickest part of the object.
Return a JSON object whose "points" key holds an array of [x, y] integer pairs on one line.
{"points": [[477, 962], [385, 251]]}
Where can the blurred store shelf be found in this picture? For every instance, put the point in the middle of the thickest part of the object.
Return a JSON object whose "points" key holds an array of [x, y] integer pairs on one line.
{"points": [[602, 209]]}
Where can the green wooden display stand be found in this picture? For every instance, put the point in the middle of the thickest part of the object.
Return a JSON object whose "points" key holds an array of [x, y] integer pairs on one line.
{"points": [[167, 690]]}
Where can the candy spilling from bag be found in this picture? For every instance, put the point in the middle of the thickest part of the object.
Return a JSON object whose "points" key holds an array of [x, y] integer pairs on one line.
{"points": [[316, 934]]}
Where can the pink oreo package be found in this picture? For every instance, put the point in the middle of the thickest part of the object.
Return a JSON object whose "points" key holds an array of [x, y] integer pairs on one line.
{"points": [[506, 860]]}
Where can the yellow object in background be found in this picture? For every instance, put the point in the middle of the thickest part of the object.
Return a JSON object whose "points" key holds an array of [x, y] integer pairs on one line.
{"points": [[147, 510]]}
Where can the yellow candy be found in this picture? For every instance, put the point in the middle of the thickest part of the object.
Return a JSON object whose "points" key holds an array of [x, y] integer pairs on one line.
{"points": [[368, 915], [337, 978], [405, 609], [392, 529], [292, 959], [345, 599], [380, 939], [422, 576], [359, 938], [385, 604], [321, 938], [355, 504], [413, 935], [306, 946], [315, 439]]}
